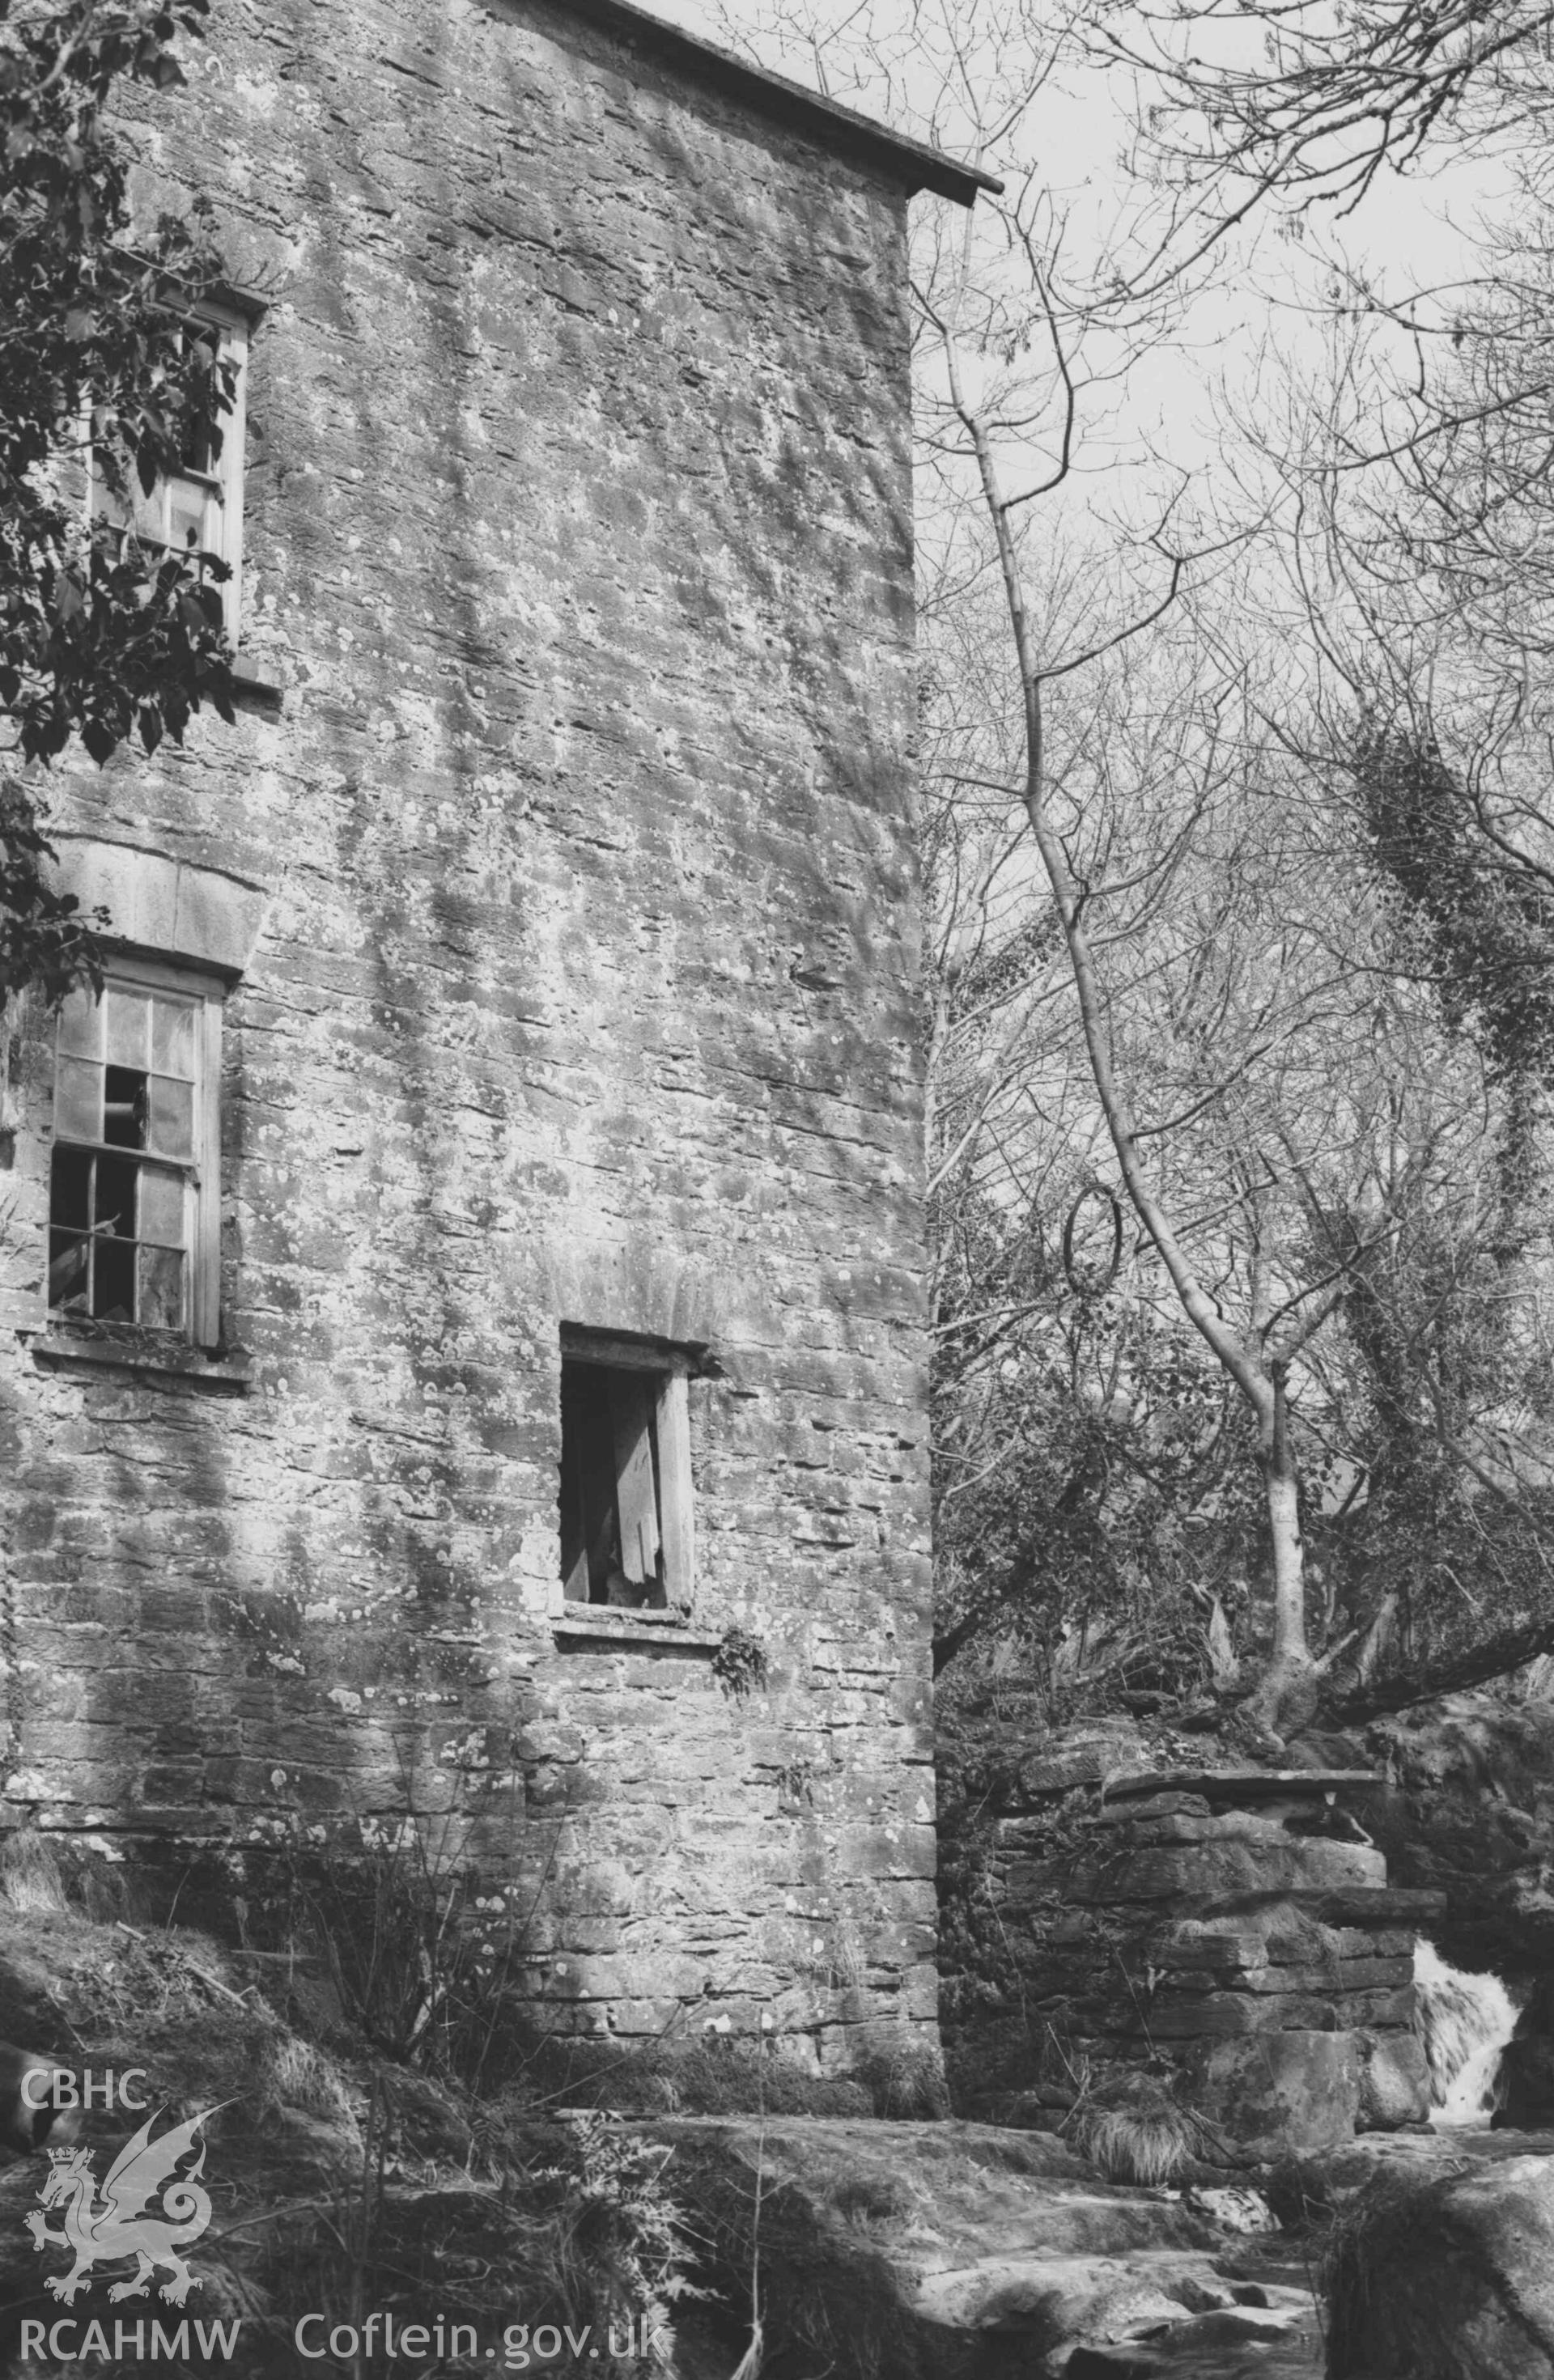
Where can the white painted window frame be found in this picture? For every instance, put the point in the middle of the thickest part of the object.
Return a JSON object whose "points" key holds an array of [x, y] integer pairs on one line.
{"points": [[225, 483], [203, 1171]]}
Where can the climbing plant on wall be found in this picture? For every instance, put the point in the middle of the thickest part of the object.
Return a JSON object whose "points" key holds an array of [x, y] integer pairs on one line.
{"points": [[103, 636]]}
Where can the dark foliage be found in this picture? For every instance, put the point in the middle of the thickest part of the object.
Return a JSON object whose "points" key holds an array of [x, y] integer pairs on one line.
{"points": [[44, 937], [1460, 1551], [101, 636], [1477, 1662], [1096, 1511], [1093, 1487]]}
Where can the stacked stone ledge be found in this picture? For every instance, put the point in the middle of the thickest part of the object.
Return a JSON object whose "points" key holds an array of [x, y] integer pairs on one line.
{"points": [[1235, 1926]]}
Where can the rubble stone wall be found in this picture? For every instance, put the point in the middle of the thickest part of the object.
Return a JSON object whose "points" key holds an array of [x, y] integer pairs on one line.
{"points": [[578, 552], [1249, 1939]]}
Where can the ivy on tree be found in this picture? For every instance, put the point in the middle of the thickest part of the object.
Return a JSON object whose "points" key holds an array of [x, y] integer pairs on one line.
{"points": [[102, 636], [1481, 915]]}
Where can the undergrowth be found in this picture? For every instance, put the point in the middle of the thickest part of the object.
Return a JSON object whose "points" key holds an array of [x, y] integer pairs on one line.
{"points": [[582, 2232], [399, 2136], [425, 1959]]}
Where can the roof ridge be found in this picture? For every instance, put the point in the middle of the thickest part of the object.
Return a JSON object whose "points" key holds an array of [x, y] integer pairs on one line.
{"points": [[919, 165]]}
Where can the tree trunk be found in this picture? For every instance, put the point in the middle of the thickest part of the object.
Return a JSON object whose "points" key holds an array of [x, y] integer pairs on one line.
{"points": [[1286, 1698], [1454, 1673]]}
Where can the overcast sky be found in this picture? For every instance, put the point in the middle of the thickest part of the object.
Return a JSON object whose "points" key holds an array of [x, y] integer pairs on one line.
{"points": [[1183, 424], [1409, 231], [1401, 219]]}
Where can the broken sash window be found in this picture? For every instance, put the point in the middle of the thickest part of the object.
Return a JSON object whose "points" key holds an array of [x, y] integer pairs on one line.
{"points": [[132, 1207]]}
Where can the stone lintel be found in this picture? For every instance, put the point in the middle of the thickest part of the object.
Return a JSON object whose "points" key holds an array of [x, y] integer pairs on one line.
{"points": [[161, 903]]}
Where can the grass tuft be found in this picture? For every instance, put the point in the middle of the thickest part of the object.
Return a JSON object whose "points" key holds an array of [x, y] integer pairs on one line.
{"points": [[905, 2080], [30, 1878], [289, 2072], [1132, 2128]]}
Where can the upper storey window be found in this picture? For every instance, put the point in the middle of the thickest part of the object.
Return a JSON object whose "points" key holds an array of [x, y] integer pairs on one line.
{"points": [[133, 1207], [199, 508]]}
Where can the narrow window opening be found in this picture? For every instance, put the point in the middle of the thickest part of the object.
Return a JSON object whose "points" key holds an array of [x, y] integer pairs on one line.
{"points": [[626, 1487]]}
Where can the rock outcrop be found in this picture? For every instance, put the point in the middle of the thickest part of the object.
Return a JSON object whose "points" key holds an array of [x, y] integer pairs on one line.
{"points": [[1448, 2279], [1525, 2091], [1465, 1809], [956, 2251]]}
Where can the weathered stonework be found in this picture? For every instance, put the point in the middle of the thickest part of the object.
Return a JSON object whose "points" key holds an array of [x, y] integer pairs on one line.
{"points": [[1238, 1926], [578, 551]]}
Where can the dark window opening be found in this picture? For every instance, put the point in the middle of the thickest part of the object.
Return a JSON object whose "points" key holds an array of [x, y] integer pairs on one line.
{"points": [[625, 1493], [125, 1107], [103, 1260]]}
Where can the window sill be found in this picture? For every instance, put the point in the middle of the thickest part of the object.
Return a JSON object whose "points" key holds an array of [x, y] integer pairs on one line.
{"points": [[600, 1623], [228, 1375], [251, 690]]}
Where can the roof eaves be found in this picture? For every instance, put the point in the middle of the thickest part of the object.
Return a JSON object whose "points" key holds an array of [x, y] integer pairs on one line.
{"points": [[912, 162]]}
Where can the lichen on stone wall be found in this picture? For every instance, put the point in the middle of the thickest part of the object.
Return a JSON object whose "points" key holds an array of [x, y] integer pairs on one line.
{"points": [[579, 545]]}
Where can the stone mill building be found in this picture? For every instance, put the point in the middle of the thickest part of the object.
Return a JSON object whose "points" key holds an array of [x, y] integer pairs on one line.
{"points": [[462, 1291]]}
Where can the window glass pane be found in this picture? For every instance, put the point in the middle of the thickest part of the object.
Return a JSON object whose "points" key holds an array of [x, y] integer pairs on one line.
{"points": [[172, 1117], [81, 1024], [112, 1280], [77, 1100], [149, 513], [112, 507], [162, 1288], [207, 340], [185, 517], [129, 1020], [116, 1180], [173, 1036], [161, 1207], [70, 1189], [68, 1264]]}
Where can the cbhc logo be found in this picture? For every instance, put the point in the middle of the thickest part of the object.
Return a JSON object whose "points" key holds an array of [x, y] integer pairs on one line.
{"points": [[56, 2086]]}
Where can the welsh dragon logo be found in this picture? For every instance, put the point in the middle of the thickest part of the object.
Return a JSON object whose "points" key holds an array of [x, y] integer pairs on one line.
{"points": [[128, 2220]]}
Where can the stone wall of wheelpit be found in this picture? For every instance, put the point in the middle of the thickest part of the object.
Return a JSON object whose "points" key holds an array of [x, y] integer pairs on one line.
{"points": [[1230, 1934]]}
